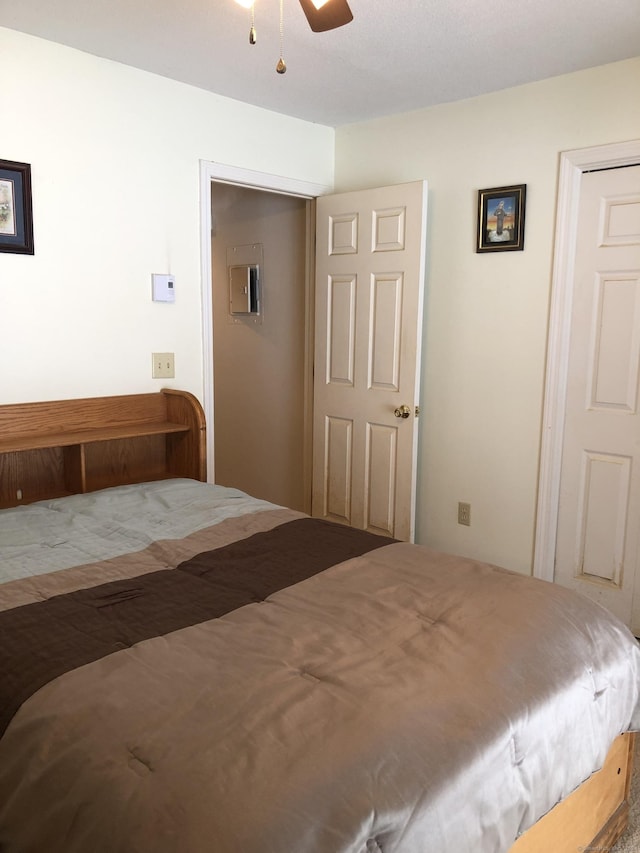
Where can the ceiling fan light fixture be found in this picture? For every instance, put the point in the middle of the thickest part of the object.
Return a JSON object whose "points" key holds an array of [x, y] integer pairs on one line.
{"points": [[319, 3], [246, 4]]}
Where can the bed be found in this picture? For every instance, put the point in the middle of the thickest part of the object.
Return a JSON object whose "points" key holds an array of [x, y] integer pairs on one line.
{"points": [[185, 668]]}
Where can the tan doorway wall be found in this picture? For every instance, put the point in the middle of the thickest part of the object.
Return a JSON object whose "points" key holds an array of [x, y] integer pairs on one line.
{"points": [[259, 362]]}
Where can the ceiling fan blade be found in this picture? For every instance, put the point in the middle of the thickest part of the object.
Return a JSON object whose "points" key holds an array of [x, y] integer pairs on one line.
{"points": [[334, 13]]}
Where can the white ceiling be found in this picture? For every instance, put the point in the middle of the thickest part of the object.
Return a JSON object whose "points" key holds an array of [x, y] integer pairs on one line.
{"points": [[396, 55]]}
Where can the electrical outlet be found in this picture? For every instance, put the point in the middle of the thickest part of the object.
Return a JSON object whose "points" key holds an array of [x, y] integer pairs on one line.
{"points": [[464, 514], [163, 365]]}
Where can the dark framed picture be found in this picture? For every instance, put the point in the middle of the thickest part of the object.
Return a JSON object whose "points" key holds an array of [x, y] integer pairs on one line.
{"points": [[501, 219], [16, 218]]}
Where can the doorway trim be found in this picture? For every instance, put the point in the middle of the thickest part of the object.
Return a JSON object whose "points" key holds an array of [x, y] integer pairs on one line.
{"points": [[211, 172], [572, 166]]}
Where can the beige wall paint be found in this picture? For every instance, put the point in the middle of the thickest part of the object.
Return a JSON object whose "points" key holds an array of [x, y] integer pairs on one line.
{"points": [[115, 156], [487, 315], [259, 367]]}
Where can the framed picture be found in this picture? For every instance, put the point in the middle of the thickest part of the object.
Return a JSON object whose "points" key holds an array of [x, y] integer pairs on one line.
{"points": [[501, 219], [16, 222]]}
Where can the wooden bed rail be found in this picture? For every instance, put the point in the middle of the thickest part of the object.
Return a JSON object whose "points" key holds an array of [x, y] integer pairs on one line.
{"points": [[61, 447], [594, 816]]}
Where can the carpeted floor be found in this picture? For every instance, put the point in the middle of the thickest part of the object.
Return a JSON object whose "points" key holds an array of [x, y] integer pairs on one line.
{"points": [[630, 841]]}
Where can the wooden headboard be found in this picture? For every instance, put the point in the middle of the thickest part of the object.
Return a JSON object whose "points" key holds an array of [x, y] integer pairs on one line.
{"points": [[63, 447]]}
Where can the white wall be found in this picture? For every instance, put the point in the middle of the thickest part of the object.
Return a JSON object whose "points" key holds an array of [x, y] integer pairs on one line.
{"points": [[115, 154], [487, 315]]}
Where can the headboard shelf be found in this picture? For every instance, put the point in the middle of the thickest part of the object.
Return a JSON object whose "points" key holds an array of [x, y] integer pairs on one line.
{"points": [[55, 448], [37, 441]]}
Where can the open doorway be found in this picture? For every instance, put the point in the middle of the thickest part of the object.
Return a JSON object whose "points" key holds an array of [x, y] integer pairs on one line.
{"points": [[239, 405], [259, 353], [216, 174]]}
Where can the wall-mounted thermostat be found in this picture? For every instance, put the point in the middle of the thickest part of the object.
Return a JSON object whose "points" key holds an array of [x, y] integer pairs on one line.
{"points": [[163, 288]]}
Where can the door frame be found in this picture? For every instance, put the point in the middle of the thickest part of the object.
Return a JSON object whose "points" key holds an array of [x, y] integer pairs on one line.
{"points": [[572, 166], [210, 173]]}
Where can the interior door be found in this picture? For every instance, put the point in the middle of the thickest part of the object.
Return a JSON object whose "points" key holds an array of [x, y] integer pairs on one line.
{"points": [[598, 542], [370, 271]]}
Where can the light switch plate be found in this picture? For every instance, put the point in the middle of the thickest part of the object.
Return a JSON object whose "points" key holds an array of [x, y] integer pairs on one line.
{"points": [[163, 365]]}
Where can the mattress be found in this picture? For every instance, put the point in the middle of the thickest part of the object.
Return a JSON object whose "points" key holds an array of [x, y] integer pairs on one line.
{"points": [[187, 669]]}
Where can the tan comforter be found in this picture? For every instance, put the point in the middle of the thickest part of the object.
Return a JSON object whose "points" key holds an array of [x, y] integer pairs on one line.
{"points": [[397, 700]]}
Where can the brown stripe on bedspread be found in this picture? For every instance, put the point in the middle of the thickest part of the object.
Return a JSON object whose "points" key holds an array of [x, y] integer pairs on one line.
{"points": [[161, 554], [43, 640]]}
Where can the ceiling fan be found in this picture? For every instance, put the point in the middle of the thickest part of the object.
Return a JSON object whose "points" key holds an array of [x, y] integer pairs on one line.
{"points": [[322, 15]]}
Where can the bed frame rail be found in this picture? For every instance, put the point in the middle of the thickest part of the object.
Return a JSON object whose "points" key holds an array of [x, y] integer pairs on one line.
{"points": [[594, 816]]}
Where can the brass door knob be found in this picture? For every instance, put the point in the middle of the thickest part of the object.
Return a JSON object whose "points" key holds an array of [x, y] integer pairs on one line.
{"points": [[402, 412]]}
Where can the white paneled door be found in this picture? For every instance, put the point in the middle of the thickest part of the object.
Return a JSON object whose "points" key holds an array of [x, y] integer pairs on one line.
{"points": [[370, 271], [598, 540]]}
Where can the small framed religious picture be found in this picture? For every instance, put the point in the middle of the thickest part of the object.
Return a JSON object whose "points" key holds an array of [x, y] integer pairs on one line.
{"points": [[501, 219], [16, 222]]}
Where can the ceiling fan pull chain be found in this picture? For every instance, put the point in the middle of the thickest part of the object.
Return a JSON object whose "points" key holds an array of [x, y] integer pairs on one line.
{"points": [[281, 67], [253, 36]]}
